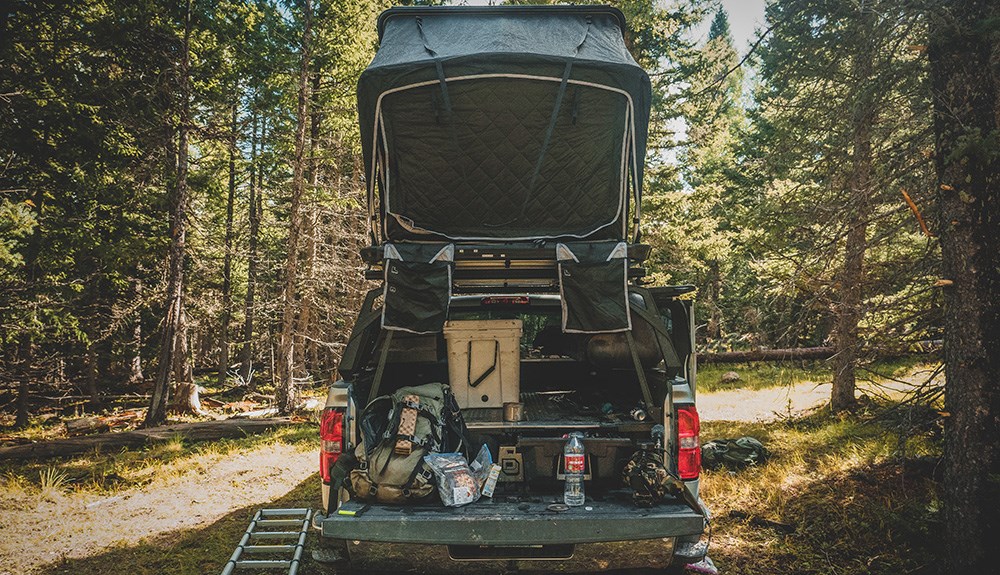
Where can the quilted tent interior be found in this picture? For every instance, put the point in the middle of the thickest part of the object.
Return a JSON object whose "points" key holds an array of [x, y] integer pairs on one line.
{"points": [[502, 124]]}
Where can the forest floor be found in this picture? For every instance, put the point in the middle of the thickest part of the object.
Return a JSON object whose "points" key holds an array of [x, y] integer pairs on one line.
{"points": [[792, 392], [854, 494]]}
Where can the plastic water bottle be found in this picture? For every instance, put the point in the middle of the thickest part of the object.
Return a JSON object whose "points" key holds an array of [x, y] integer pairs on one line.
{"points": [[574, 462]]}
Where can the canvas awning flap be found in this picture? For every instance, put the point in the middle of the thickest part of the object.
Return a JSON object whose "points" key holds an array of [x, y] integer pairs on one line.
{"points": [[417, 287], [510, 123], [593, 286]]}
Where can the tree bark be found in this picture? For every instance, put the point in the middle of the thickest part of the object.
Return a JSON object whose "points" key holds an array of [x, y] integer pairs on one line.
{"points": [[714, 328], [246, 354], [850, 284], [23, 384], [135, 376], [92, 376], [254, 206], [173, 324], [25, 345], [968, 166], [286, 394], [306, 353], [227, 265], [187, 399], [185, 392]]}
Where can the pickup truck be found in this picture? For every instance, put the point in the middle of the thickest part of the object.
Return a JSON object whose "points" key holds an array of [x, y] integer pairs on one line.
{"points": [[504, 150]]}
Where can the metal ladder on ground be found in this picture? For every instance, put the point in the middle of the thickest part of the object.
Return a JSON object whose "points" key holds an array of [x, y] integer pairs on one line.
{"points": [[261, 542]]}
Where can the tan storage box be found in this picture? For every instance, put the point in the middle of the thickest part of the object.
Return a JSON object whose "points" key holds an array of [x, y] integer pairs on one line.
{"points": [[484, 361]]}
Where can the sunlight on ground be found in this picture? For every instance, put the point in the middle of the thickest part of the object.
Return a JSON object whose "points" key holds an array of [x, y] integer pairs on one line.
{"points": [[788, 392], [200, 485]]}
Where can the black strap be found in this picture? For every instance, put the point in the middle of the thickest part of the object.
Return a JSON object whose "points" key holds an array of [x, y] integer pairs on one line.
{"points": [[647, 396], [548, 133], [670, 357], [488, 372], [377, 380], [443, 82], [417, 470], [386, 464], [553, 119]]}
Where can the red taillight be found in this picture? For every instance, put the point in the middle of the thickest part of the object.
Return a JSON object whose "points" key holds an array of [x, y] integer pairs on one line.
{"points": [[689, 452], [331, 434]]}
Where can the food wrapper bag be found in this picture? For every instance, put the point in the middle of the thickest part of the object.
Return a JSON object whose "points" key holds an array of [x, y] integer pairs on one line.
{"points": [[456, 483]]}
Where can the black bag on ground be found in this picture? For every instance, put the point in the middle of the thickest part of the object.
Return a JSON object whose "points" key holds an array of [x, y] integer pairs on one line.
{"points": [[397, 431], [734, 454]]}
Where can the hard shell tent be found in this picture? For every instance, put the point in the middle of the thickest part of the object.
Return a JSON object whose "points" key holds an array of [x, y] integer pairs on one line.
{"points": [[503, 124]]}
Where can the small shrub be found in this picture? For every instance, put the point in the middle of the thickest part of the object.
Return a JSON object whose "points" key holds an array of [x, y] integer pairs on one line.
{"points": [[51, 483]]}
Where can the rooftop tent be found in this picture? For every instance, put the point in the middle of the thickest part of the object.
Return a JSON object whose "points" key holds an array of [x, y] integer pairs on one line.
{"points": [[503, 123]]}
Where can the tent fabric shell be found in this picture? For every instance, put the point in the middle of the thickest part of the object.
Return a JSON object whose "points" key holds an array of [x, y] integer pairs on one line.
{"points": [[506, 123]]}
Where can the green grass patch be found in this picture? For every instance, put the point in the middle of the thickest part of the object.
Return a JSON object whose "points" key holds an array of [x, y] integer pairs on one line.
{"points": [[840, 495], [761, 375], [110, 472], [765, 375]]}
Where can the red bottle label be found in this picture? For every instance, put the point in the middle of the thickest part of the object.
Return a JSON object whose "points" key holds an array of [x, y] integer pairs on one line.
{"points": [[575, 463]]}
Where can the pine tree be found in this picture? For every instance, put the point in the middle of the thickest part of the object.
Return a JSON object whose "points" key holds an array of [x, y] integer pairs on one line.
{"points": [[963, 50], [841, 126], [286, 392]]}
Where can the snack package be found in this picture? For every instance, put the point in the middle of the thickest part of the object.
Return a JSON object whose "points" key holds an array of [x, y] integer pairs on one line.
{"points": [[456, 484], [486, 471], [491, 481], [481, 465]]}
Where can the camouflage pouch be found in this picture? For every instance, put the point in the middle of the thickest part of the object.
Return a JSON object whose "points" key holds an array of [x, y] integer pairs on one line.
{"points": [[648, 479]]}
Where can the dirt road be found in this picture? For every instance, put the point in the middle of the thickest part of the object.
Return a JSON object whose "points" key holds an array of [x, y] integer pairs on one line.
{"points": [[762, 404], [37, 532], [782, 402]]}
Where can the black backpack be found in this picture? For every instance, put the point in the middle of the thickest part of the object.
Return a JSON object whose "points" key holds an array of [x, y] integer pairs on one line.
{"points": [[733, 454]]}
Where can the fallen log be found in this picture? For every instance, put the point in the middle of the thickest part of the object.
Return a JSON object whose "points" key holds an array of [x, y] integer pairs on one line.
{"points": [[199, 431], [86, 425], [791, 354]]}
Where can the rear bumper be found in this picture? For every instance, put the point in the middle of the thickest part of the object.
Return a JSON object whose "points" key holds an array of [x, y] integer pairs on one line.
{"points": [[500, 523]]}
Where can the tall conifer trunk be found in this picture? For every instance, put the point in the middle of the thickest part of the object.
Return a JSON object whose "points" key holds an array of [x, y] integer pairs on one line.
{"points": [[227, 265], [135, 376], [253, 204], [174, 332], [306, 354], [285, 394], [966, 107], [850, 284]]}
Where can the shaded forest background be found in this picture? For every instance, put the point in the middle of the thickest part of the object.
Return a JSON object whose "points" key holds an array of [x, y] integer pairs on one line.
{"points": [[182, 192], [181, 197]]}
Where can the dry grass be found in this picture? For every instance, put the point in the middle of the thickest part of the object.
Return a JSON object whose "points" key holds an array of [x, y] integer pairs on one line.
{"points": [[107, 473], [851, 495], [134, 507], [761, 375], [51, 483], [839, 496]]}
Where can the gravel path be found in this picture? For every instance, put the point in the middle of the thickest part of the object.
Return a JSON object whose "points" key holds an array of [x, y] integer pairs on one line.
{"points": [[782, 402], [36, 532], [762, 404]]}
